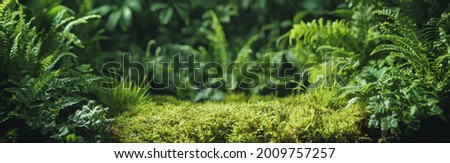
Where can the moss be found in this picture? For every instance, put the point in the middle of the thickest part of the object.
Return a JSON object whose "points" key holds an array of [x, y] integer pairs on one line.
{"points": [[293, 119]]}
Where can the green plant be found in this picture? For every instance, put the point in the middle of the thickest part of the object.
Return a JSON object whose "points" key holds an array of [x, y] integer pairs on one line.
{"points": [[88, 124], [411, 84], [294, 119], [336, 49], [123, 94], [41, 83]]}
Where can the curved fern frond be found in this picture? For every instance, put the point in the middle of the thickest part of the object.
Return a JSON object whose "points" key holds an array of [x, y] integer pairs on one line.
{"points": [[319, 31], [390, 13], [82, 20], [408, 49], [65, 21], [50, 61], [39, 82], [435, 33], [57, 20], [47, 61]]}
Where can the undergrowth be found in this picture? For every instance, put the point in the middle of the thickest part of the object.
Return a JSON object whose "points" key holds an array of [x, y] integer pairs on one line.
{"points": [[294, 119]]}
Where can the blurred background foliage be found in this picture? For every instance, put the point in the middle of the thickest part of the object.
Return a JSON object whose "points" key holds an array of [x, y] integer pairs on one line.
{"points": [[222, 31]]}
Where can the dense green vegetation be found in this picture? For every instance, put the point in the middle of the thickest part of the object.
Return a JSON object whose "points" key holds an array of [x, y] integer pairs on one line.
{"points": [[295, 119], [225, 71]]}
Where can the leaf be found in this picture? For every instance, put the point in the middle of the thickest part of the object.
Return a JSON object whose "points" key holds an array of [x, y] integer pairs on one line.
{"points": [[182, 10], [158, 6], [135, 5], [127, 18], [103, 10], [166, 15], [15, 47], [113, 19], [344, 13]]}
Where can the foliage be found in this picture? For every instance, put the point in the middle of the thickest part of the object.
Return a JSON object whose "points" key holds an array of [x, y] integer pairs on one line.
{"points": [[90, 123], [321, 44], [396, 64], [41, 84], [411, 84], [333, 58], [293, 119], [123, 94]]}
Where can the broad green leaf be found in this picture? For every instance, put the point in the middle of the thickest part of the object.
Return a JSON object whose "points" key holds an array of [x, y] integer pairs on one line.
{"points": [[113, 19]]}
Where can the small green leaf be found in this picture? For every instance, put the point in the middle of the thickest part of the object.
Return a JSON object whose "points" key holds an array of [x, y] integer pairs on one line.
{"points": [[127, 17]]}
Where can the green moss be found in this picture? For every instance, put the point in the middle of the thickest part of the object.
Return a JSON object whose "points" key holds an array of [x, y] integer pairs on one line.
{"points": [[292, 119]]}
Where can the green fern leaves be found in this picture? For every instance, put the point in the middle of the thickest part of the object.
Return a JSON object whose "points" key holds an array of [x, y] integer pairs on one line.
{"points": [[40, 75], [318, 31]]}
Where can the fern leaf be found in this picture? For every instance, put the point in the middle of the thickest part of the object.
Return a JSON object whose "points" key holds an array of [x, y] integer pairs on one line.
{"points": [[390, 13], [50, 61], [406, 45], [47, 61], [246, 50], [219, 40], [3, 6], [57, 20], [3, 45], [65, 21], [82, 20], [319, 31], [15, 48], [42, 80]]}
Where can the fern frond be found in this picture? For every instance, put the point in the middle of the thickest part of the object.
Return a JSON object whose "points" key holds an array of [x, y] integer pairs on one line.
{"points": [[39, 82], [3, 5], [390, 13], [219, 40], [50, 61], [65, 21], [33, 46], [47, 61], [319, 31], [243, 53], [411, 49], [82, 20], [402, 52], [57, 20], [336, 51], [3, 45], [15, 47], [435, 33]]}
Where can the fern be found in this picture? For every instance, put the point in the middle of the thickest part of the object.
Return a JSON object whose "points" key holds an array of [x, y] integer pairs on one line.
{"points": [[219, 42], [15, 47], [50, 61], [435, 33], [390, 13], [3, 6], [317, 31], [39, 73], [411, 89]]}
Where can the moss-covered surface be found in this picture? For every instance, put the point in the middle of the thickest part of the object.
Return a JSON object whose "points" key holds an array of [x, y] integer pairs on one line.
{"points": [[292, 119]]}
